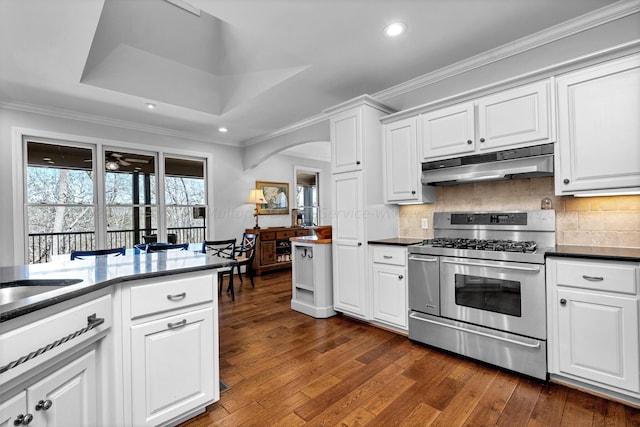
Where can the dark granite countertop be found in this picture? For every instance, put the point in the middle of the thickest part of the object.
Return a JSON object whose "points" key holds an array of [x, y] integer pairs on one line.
{"points": [[596, 252], [396, 241], [99, 272]]}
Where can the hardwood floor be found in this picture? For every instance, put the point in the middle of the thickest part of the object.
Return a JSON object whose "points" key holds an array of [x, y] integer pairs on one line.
{"points": [[288, 369]]}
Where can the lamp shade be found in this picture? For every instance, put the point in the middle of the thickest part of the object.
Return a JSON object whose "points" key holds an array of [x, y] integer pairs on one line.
{"points": [[256, 197]]}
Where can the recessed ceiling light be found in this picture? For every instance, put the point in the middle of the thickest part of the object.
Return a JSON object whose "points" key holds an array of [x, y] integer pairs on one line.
{"points": [[395, 29], [150, 106], [223, 129]]}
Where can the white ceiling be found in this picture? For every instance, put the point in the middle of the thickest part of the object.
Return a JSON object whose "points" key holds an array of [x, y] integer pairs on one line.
{"points": [[253, 66]]}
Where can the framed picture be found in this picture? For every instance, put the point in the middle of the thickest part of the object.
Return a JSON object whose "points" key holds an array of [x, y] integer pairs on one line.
{"points": [[277, 196]]}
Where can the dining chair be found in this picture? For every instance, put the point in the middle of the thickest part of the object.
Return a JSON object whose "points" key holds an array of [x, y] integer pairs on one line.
{"points": [[97, 252], [222, 249], [245, 254], [158, 247]]}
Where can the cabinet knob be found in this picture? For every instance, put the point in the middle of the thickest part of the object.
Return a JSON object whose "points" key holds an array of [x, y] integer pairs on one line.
{"points": [[481, 139], [43, 405], [469, 141], [357, 162], [359, 243], [23, 420], [566, 181], [563, 301], [401, 277], [413, 191]]}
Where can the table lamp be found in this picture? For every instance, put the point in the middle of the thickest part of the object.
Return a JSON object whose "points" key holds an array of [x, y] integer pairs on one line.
{"points": [[256, 197]]}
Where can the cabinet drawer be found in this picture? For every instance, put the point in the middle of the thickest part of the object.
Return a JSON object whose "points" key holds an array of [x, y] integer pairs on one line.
{"points": [[169, 295], [390, 255], [285, 234], [47, 338], [268, 235], [597, 275], [302, 232]]}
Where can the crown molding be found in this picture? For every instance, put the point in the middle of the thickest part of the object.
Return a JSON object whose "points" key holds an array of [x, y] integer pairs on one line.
{"points": [[358, 101], [99, 120], [310, 121], [573, 26]]}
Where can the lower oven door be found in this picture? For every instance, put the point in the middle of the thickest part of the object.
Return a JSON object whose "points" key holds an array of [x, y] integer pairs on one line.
{"points": [[506, 296]]}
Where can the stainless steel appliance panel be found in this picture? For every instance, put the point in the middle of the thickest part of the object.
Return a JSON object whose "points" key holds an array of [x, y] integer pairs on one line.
{"points": [[497, 284], [520, 354], [424, 284]]}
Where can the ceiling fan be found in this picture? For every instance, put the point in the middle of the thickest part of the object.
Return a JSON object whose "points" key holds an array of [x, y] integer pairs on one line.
{"points": [[115, 160]]}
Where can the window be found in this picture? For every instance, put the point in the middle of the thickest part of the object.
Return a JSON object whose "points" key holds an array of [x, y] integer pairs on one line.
{"points": [[307, 208], [83, 197], [185, 199], [60, 200], [130, 198]]}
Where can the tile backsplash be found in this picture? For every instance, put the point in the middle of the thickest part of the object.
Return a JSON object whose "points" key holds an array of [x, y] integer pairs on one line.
{"points": [[602, 221]]}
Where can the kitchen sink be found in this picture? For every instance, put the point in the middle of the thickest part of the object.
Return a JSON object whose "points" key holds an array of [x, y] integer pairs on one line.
{"points": [[24, 288]]}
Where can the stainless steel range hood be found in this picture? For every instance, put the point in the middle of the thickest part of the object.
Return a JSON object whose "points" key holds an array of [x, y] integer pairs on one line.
{"points": [[528, 162]]}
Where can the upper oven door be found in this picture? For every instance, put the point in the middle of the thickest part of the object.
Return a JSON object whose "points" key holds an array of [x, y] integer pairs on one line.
{"points": [[507, 296]]}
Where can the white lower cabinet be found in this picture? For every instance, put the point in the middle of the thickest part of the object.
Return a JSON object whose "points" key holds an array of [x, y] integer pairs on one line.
{"points": [[171, 366], [389, 273], [65, 398], [170, 345], [598, 338], [594, 325]]}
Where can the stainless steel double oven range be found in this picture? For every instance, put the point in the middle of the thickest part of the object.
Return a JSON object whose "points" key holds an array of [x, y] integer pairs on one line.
{"points": [[478, 287]]}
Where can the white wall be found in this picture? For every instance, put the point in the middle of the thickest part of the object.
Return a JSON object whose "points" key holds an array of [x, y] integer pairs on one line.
{"points": [[231, 184], [279, 168]]}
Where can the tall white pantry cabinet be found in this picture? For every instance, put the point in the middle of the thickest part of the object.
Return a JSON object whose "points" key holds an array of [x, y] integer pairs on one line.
{"points": [[358, 210]]}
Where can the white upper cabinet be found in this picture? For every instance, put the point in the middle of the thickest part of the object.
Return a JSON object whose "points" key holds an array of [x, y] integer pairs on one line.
{"points": [[449, 131], [346, 141], [515, 116], [402, 165], [598, 129], [505, 119]]}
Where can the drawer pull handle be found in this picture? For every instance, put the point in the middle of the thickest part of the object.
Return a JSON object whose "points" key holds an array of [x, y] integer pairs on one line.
{"points": [[92, 322], [177, 325], [593, 278], [44, 405], [387, 256], [176, 297]]}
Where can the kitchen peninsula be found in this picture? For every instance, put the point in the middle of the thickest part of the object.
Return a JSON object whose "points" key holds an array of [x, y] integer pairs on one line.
{"points": [[106, 336]]}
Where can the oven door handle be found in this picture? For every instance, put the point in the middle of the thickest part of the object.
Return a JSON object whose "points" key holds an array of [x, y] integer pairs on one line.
{"points": [[479, 264], [524, 344], [423, 259]]}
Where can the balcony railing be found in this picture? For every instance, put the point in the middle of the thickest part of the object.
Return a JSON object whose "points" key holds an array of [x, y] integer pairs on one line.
{"points": [[43, 246]]}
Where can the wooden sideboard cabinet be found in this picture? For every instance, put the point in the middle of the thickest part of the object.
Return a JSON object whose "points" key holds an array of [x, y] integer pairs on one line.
{"points": [[273, 251]]}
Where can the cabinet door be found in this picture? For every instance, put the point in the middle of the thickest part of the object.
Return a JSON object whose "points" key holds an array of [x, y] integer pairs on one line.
{"points": [[70, 394], [348, 244], [598, 127], [515, 116], [267, 252], [13, 409], [348, 207], [390, 294], [172, 366], [401, 161], [598, 338], [448, 131], [349, 291], [346, 141]]}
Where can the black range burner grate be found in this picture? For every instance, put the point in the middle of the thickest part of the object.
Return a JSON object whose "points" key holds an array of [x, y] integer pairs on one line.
{"points": [[528, 246]]}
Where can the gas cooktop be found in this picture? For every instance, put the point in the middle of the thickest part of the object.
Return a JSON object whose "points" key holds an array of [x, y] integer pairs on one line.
{"points": [[521, 236], [527, 246]]}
